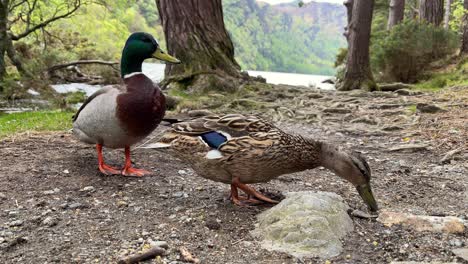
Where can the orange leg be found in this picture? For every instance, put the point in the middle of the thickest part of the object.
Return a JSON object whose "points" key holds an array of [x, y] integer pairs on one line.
{"points": [[242, 201], [103, 167], [128, 170]]}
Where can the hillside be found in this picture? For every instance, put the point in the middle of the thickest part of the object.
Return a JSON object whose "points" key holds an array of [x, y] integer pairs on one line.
{"points": [[284, 37]]}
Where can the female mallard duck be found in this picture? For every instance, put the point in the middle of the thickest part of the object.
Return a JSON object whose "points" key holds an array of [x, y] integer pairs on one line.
{"points": [[118, 118], [237, 150]]}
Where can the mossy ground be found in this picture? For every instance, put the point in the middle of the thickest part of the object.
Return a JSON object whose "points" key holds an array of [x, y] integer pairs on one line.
{"points": [[15, 123], [451, 73]]}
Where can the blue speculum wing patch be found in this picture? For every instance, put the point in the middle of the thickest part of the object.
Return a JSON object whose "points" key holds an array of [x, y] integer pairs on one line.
{"points": [[214, 139]]}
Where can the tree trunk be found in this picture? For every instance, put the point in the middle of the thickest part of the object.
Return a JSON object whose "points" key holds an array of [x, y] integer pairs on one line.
{"points": [[195, 34], [448, 6], [11, 52], [464, 47], [349, 11], [358, 72], [3, 37], [431, 11], [396, 13]]}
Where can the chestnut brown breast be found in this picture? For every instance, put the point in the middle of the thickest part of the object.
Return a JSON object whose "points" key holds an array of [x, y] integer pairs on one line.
{"points": [[141, 108]]}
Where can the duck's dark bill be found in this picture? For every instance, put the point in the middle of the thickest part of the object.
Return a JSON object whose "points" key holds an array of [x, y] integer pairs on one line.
{"points": [[365, 192], [161, 55]]}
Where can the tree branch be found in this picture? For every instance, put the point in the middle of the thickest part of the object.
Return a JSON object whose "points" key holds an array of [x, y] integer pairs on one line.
{"points": [[64, 65], [55, 17]]}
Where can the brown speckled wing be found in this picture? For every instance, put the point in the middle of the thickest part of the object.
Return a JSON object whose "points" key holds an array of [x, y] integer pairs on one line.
{"points": [[235, 125]]}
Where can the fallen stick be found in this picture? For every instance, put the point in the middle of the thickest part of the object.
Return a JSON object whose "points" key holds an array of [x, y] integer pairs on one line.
{"points": [[409, 147], [150, 253], [187, 256], [449, 155]]}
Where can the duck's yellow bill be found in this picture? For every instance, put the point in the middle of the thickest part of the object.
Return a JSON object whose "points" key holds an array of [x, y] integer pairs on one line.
{"points": [[161, 55]]}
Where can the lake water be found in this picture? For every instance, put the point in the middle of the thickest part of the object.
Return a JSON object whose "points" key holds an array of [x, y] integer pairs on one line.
{"points": [[156, 72]]}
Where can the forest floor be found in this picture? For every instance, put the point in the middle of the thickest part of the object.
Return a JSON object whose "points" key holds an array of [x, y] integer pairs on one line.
{"points": [[55, 207]]}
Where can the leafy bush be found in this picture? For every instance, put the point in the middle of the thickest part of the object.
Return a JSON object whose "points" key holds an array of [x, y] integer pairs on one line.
{"points": [[402, 54]]}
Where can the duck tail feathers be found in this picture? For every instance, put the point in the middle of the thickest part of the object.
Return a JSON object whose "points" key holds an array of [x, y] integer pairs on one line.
{"points": [[157, 145], [170, 121]]}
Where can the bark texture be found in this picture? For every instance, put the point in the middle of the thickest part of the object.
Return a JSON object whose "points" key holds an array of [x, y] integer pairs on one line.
{"points": [[195, 34], [464, 47], [3, 37], [349, 11], [358, 72], [396, 13], [432, 11], [448, 6]]}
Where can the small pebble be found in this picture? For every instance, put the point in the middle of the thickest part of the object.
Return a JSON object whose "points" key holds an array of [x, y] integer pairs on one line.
{"points": [[121, 203], [16, 223], [161, 244], [88, 189], [75, 206], [456, 242], [50, 221]]}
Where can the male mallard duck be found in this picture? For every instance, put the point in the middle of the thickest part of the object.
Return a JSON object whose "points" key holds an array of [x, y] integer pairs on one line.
{"points": [[118, 118], [238, 149]]}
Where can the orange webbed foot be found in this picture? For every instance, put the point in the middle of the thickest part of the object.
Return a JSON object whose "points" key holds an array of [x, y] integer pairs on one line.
{"points": [[133, 172], [108, 170]]}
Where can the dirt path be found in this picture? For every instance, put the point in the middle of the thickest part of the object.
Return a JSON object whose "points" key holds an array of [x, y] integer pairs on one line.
{"points": [[56, 207]]}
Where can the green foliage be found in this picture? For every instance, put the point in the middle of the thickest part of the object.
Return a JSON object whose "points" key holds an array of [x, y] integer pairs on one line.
{"points": [[457, 14], [341, 57], [457, 76], [34, 121], [403, 53], [75, 97], [98, 30]]}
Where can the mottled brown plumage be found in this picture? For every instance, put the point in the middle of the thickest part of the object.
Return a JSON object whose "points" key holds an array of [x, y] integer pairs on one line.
{"points": [[257, 151]]}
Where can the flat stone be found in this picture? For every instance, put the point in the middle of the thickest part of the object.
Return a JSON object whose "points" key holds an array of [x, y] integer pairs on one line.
{"points": [[447, 224], [409, 147], [391, 87], [428, 108], [461, 253], [305, 224]]}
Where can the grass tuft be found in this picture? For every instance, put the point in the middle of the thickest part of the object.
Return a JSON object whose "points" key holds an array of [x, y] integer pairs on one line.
{"points": [[11, 124]]}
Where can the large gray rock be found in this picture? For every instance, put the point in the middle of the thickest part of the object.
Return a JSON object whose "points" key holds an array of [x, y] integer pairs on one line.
{"points": [[305, 224]]}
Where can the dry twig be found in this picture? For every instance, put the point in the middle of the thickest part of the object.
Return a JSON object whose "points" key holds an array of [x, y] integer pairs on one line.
{"points": [[150, 253]]}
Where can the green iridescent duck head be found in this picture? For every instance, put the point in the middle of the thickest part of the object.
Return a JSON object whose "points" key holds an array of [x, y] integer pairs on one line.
{"points": [[139, 47]]}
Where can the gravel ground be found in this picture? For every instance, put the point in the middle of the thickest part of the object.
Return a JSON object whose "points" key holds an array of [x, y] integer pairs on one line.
{"points": [[55, 207]]}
